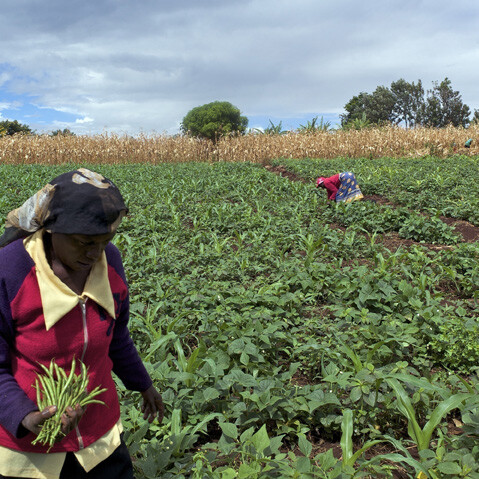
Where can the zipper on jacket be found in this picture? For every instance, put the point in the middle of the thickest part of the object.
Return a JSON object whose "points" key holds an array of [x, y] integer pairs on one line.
{"points": [[82, 303]]}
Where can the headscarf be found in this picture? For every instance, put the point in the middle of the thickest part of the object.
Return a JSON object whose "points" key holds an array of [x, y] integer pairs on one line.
{"points": [[77, 202], [320, 181]]}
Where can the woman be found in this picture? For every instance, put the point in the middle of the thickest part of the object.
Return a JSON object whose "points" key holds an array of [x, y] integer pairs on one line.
{"points": [[341, 187], [63, 294]]}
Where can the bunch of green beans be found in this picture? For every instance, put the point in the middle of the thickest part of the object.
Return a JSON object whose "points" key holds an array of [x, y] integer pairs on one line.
{"points": [[56, 388]]}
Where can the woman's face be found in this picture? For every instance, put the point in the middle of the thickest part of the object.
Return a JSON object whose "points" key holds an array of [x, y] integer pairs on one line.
{"points": [[79, 252]]}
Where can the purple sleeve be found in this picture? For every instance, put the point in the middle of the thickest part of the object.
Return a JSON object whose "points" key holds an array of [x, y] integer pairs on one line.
{"points": [[14, 403], [127, 364]]}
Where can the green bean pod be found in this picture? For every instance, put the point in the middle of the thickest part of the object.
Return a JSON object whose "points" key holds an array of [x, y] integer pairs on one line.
{"points": [[57, 388]]}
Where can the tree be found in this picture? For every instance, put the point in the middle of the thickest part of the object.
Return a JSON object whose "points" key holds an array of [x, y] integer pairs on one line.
{"points": [[404, 103], [354, 108], [408, 101], [214, 120], [376, 106], [444, 107], [380, 106], [64, 132], [8, 127]]}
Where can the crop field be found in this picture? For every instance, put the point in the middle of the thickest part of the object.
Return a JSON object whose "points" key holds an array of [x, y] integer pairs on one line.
{"points": [[388, 141], [291, 337]]}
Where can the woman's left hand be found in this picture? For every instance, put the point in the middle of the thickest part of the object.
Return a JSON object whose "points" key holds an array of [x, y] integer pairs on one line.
{"points": [[152, 405]]}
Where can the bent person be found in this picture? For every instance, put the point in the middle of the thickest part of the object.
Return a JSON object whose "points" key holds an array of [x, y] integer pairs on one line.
{"points": [[341, 187], [64, 296]]}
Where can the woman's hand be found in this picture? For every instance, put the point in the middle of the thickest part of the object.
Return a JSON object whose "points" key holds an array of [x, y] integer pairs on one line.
{"points": [[152, 405], [70, 418]]}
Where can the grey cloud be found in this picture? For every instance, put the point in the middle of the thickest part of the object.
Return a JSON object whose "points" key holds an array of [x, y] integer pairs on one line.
{"points": [[141, 66]]}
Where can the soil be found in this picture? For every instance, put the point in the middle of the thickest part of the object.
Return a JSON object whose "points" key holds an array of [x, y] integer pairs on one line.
{"points": [[392, 241]]}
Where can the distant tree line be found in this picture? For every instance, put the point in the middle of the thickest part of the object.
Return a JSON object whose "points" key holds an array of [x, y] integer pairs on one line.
{"points": [[402, 103], [8, 127], [409, 105], [13, 127]]}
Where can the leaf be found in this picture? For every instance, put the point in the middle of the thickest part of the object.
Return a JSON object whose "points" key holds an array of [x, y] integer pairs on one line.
{"points": [[210, 393], [229, 429], [326, 459], [439, 412], [407, 409], [347, 435], [355, 394], [303, 465], [449, 468], [246, 435], [229, 473], [260, 440], [246, 471], [139, 434], [304, 445], [175, 425]]}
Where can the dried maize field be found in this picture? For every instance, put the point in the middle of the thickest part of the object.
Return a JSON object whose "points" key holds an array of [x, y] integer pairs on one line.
{"points": [[392, 142]]}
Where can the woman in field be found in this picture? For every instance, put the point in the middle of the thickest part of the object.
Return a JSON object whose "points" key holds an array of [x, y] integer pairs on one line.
{"points": [[341, 187], [63, 295]]}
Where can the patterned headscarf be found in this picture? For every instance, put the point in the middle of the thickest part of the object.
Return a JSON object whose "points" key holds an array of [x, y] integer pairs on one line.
{"points": [[77, 202]]}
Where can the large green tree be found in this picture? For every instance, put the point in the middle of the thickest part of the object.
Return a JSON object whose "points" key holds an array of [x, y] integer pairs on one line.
{"points": [[408, 101], [444, 106], [376, 106], [8, 127], [214, 120]]}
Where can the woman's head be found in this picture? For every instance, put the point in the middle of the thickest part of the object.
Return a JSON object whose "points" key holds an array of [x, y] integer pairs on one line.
{"points": [[320, 182], [79, 202], [79, 252]]}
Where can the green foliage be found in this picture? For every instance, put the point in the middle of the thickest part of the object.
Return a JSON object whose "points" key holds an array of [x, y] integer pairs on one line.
{"points": [[264, 315], [357, 123], [214, 120], [455, 344], [313, 126], [408, 101], [444, 106], [405, 103], [272, 129], [8, 127], [64, 132]]}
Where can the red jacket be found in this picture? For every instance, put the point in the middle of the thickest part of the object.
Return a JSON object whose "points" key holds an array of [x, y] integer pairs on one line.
{"points": [[332, 185], [103, 342]]}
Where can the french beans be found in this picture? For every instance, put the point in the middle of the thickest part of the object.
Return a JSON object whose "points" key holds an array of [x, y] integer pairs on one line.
{"points": [[56, 388]]}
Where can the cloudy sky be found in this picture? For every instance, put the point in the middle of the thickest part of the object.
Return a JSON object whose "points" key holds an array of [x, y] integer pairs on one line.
{"points": [[138, 66]]}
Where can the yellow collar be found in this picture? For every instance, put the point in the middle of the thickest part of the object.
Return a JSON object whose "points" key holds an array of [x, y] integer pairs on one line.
{"points": [[57, 298]]}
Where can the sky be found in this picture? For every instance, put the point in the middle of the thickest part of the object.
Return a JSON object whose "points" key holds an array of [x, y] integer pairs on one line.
{"points": [[138, 66]]}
